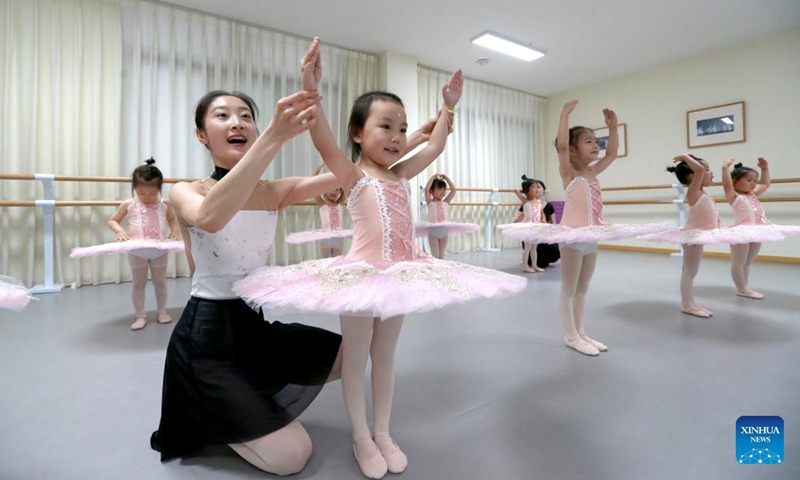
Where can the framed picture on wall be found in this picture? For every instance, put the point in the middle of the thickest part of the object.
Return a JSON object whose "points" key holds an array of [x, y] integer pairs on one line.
{"points": [[715, 125], [602, 140]]}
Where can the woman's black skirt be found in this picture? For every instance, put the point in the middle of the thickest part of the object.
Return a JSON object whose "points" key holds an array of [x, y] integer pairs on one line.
{"points": [[230, 376]]}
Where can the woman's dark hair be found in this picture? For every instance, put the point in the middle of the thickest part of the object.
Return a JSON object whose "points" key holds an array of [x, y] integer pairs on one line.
{"points": [[683, 171], [359, 115], [574, 134], [527, 182], [438, 183], [740, 171], [147, 174], [202, 105]]}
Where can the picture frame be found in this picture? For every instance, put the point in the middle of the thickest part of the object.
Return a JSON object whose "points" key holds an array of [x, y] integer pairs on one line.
{"points": [[602, 139], [717, 125]]}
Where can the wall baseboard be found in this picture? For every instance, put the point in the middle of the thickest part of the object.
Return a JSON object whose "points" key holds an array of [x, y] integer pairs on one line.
{"points": [[669, 251]]}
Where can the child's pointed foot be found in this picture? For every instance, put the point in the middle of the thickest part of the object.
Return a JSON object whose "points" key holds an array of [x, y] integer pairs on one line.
{"points": [[369, 458], [527, 269], [537, 269], [594, 343], [696, 311], [750, 294], [163, 317], [396, 460], [581, 346], [139, 322]]}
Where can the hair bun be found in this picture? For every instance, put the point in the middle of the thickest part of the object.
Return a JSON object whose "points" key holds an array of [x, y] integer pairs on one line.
{"points": [[738, 165], [672, 169], [150, 161], [525, 177]]}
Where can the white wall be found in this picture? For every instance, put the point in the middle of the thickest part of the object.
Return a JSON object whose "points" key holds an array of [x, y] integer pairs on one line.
{"points": [[765, 73]]}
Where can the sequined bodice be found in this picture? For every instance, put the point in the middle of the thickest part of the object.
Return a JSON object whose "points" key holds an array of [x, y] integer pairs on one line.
{"points": [[532, 212], [583, 205], [228, 255], [147, 221], [703, 215], [331, 217], [747, 210], [437, 212], [382, 222]]}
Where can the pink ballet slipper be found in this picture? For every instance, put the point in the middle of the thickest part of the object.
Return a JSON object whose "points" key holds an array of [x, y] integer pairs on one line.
{"points": [[527, 269], [582, 346], [696, 311], [163, 317], [594, 343], [396, 460], [138, 323], [751, 294], [373, 466]]}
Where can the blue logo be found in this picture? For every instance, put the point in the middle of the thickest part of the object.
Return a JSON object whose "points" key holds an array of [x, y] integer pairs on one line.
{"points": [[759, 440]]}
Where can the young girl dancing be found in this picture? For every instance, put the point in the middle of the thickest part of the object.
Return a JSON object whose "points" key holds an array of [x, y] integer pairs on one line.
{"points": [[742, 189], [382, 277], [582, 224], [530, 195], [439, 226], [147, 215], [330, 235]]}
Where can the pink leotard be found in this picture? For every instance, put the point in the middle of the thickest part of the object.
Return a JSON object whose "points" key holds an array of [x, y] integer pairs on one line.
{"points": [[583, 205]]}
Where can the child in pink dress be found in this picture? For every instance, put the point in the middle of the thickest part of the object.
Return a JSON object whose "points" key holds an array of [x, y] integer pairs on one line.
{"points": [[703, 226], [530, 195], [383, 276], [742, 189], [582, 223], [439, 226], [331, 235], [148, 214]]}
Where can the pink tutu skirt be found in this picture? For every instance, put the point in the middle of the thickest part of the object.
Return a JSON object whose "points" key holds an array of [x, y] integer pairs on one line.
{"points": [[549, 233], [341, 286], [141, 248], [733, 235], [318, 236], [13, 294], [443, 229]]}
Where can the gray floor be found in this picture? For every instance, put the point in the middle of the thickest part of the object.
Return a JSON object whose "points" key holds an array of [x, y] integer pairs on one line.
{"points": [[485, 390]]}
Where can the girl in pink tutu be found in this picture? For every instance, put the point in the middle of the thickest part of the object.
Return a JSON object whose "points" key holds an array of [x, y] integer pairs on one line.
{"points": [[742, 189], [694, 173], [439, 226], [148, 215], [383, 276], [331, 213], [531, 194], [13, 294]]}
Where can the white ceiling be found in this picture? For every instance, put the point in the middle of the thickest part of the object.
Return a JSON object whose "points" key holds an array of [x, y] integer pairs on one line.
{"points": [[586, 41]]}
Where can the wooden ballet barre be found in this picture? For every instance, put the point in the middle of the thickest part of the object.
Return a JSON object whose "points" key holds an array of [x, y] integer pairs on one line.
{"points": [[638, 202], [84, 178], [485, 204], [643, 187], [60, 203], [93, 203]]}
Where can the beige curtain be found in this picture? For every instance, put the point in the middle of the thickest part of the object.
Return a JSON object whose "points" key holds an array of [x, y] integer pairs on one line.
{"points": [[60, 97], [94, 87], [498, 135]]}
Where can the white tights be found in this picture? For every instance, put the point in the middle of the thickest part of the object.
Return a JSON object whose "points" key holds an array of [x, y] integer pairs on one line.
{"points": [[576, 273], [283, 452], [692, 255], [158, 274], [742, 257], [438, 246], [376, 339]]}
